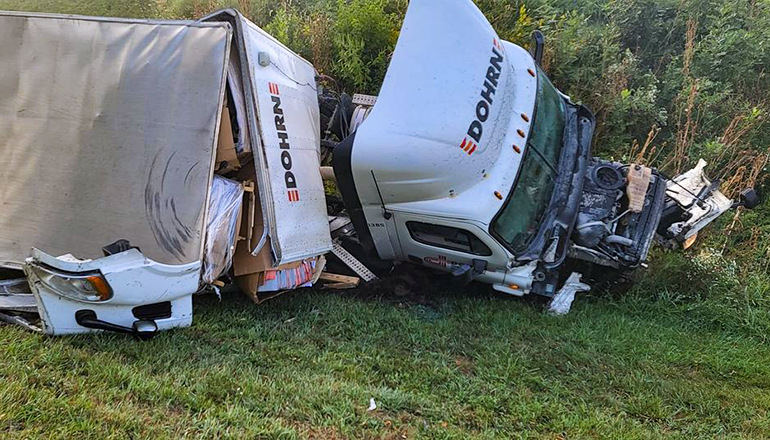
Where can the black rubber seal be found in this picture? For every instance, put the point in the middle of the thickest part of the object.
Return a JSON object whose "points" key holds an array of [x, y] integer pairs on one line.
{"points": [[343, 172]]}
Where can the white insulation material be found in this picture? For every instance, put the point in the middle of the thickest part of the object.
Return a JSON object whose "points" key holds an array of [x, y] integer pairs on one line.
{"points": [[221, 230]]}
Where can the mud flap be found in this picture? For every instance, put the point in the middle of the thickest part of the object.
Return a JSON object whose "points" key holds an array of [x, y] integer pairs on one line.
{"points": [[139, 290]]}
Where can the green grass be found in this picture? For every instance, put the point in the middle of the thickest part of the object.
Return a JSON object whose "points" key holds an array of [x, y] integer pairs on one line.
{"points": [[465, 363]]}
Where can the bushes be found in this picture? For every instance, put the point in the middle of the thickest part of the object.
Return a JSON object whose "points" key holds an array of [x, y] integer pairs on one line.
{"points": [[108, 8], [694, 70], [350, 40], [365, 33]]}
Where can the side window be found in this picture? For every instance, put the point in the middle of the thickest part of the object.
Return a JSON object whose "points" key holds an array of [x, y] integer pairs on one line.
{"points": [[448, 238]]}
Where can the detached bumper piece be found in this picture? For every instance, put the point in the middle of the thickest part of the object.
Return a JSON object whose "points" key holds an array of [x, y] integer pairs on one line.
{"points": [[692, 202], [125, 292]]}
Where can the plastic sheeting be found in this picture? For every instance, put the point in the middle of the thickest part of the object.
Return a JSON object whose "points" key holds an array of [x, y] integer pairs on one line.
{"points": [[221, 230]]}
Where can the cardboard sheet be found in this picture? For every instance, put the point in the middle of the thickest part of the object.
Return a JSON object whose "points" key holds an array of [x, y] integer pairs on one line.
{"points": [[252, 228], [227, 156]]}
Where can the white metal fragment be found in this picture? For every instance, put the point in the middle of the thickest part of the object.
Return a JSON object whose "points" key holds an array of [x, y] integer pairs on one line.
{"points": [[562, 301]]}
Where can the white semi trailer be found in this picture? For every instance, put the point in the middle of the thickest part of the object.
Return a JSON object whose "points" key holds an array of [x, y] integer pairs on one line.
{"points": [[468, 161]]}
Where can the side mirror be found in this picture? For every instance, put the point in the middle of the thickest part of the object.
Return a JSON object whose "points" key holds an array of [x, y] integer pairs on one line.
{"points": [[749, 199], [538, 45]]}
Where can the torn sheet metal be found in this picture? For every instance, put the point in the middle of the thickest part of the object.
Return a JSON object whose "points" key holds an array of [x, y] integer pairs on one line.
{"points": [[22, 302], [684, 189], [562, 300], [14, 286], [108, 129], [20, 321]]}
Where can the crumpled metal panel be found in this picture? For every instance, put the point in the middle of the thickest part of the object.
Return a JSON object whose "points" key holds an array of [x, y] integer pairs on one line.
{"points": [[108, 129]]}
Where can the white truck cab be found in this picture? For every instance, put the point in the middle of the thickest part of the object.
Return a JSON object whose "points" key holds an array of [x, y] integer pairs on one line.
{"points": [[472, 162]]}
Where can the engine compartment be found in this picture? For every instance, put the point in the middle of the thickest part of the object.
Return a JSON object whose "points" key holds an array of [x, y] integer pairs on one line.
{"points": [[608, 231]]}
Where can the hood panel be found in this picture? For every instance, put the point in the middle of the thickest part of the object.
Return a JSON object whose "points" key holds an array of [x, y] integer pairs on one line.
{"points": [[417, 136], [439, 139]]}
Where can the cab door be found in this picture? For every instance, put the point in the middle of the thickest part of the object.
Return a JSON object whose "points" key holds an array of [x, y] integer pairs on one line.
{"points": [[447, 245]]}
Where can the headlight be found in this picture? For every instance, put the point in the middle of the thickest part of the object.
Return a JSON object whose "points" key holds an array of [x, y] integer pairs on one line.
{"points": [[82, 286]]}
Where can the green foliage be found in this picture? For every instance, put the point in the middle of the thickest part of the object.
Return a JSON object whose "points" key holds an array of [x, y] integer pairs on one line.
{"points": [[723, 282], [631, 61], [289, 27], [510, 19], [365, 34], [106, 8]]}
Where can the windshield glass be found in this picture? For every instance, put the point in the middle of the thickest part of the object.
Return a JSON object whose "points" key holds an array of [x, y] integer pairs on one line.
{"points": [[519, 219]]}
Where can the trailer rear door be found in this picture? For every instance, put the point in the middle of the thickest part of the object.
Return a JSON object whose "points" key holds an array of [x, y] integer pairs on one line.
{"points": [[282, 102]]}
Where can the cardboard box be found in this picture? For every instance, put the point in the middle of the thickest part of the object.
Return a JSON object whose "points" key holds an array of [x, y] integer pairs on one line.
{"points": [[252, 227], [227, 156], [250, 284], [250, 270], [244, 263]]}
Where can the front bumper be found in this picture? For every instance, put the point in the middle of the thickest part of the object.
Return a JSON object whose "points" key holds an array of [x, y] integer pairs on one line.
{"points": [[142, 289]]}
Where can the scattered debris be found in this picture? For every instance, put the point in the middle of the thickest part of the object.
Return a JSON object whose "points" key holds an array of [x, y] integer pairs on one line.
{"points": [[339, 281], [372, 405], [14, 286], [562, 301], [20, 321], [22, 302]]}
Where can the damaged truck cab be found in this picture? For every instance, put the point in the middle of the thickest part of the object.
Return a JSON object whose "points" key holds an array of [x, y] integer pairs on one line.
{"points": [[472, 162]]}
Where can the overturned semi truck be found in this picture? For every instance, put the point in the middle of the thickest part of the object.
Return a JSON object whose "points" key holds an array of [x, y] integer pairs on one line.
{"points": [[146, 160]]}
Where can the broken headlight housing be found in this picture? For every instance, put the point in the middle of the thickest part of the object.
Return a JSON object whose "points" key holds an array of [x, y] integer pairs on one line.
{"points": [[82, 286]]}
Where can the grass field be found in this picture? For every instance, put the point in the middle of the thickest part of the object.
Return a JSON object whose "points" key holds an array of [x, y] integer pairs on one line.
{"points": [[461, 363]]}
